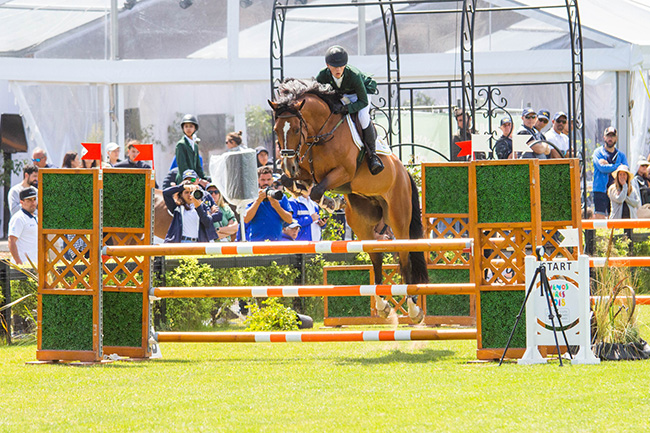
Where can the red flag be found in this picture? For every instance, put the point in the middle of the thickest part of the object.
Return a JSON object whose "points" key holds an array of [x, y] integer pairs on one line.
{"points": [[146, 152], [93, 151], [465, 147]]}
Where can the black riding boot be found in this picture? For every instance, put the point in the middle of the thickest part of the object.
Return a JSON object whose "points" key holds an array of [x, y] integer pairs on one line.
{"points": [[369, 137]]}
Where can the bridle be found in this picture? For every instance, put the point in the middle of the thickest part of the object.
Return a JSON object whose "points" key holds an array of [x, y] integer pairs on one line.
{"points": [[309, 140]]}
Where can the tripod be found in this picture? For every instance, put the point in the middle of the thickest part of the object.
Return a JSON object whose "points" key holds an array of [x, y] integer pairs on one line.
{"points": [[546, 289]]}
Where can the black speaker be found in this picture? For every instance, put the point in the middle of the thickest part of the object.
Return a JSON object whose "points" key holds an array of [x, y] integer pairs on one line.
{"points": [[12, 133]]}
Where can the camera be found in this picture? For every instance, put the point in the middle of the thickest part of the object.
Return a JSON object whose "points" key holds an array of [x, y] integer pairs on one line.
{"points": [[198, 194], [273, 193]]}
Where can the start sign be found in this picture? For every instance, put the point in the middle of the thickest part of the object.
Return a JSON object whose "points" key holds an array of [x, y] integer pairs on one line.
{"points": [[569, 284]]}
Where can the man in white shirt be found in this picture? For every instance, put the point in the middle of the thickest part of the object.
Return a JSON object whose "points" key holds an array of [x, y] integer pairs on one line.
{"points": [[556, 136], [23, 229], [30, 178]]}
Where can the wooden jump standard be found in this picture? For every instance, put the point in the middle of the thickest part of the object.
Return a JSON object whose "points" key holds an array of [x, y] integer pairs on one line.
{"points": [[290, 247], [313, 337], [323, 290]]}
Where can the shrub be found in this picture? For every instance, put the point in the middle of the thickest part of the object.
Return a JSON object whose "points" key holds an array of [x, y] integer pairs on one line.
{"points": [[273, 317]]}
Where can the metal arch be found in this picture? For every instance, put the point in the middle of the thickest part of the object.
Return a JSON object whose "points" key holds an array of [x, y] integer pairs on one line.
{"points": [[467, 59], [577, 92], [392, 68], [277, 44]]}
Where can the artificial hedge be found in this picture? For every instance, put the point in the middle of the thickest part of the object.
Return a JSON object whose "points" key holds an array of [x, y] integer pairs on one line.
{"points": [[122, 319], [503, 193], [446, 190], [499, 311], [555, 192], [67, 322], [67, 201], [348, 306], [124, 199], [448, 305]]}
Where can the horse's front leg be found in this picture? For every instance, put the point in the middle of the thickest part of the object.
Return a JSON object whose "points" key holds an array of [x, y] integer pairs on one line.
{"points": [[333, 179]]}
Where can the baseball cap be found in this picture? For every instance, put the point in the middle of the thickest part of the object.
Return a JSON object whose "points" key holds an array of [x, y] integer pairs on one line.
{"points": [[111, 147], [505, 120], [528, 111], [211, 185], [189, 173], [641, 162], [28, 193], [293, 224], [544, 114], [560, 114], [610, 130], [260, 149]]}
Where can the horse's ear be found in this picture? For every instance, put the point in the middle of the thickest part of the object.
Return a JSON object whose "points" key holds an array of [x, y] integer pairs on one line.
{"points": [[274, 105]]}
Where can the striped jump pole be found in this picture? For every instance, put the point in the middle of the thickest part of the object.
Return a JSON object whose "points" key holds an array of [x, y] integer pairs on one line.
{"points": [[314, 337], [290, 247], [323, 290], [619, 262], [616, 224]]}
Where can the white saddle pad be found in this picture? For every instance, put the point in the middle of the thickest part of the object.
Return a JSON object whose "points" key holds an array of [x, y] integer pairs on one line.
{"points": [[381, 145]]}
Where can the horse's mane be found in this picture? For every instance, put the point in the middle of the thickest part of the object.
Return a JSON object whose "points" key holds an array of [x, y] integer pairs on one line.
{"points": [[292, 88]]}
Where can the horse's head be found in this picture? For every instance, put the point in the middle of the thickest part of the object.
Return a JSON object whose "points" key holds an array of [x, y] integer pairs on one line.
{"points": [[291, 130]]}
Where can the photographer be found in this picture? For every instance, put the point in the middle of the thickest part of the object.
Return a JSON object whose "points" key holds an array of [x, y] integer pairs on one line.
{"points": [[265, 215], [191, 221]]}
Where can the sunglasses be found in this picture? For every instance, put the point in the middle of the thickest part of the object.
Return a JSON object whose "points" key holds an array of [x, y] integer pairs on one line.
{"points": [[191, 179], [214, 191], [531, 116], [560, 121], [543, 120], [36, 159]]}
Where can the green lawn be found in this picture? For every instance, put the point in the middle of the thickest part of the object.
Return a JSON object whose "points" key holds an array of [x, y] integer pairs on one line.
{"points": [[369, 387]]}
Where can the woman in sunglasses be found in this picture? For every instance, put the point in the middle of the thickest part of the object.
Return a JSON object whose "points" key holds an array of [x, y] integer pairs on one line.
{"points": [[227, 225]]}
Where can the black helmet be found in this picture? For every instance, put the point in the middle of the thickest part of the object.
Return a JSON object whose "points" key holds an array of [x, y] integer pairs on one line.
{"points": [[336, 56], [190, 118]]}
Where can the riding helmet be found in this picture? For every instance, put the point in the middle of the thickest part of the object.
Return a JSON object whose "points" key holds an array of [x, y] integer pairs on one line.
{"points": [[190, 118], [336, 56]]}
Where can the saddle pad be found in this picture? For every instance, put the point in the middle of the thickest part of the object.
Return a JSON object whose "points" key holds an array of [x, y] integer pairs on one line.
{"points": [[381, 145]]}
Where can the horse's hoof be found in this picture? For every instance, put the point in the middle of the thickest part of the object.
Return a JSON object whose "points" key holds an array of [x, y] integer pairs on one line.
{"points": [[418, 317], [384, 312]]}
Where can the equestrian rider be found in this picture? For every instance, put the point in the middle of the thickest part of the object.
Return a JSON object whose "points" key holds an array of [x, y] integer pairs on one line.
{"points": [[354, 86]]}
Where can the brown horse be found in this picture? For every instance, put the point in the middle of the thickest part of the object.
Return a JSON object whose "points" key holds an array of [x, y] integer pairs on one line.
{"points": [[317, 149]]}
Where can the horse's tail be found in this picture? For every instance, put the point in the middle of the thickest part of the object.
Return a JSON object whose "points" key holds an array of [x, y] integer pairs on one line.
{"points": [[419, 273]]}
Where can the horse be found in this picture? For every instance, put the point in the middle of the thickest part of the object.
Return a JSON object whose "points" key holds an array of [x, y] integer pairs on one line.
{"points": [[317, 149]]}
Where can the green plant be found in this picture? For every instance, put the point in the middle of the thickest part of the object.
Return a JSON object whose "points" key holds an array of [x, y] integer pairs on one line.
{"points": [[259, 126], [273, 317], [20, 288]]}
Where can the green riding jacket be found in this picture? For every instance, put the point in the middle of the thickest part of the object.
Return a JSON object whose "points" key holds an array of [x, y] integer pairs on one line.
{"points": [[354, 82], [187, 157]]}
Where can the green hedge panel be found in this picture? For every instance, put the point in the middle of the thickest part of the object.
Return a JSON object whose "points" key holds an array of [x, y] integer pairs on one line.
{"points": [[499, 311], [67, 322], [122, 319], [555, 192], [446, 190], [448, 305], [67, 201], [124, 199], [348, 306], [503, 193]]}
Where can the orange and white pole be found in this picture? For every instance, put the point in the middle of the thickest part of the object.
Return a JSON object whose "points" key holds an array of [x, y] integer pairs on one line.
{"points": [[616, 224]]}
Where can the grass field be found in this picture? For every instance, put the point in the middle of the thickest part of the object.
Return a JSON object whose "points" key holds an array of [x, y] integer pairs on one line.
{"points": [[322, 387]]}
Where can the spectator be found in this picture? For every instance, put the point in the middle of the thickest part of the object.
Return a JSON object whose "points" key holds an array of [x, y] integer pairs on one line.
{"points": [[234, 142], [170, 179], [265, 215], [262, 156], [543, 116], [131, 153], [191, 221], [464, 133], [113, 154], [290, 231], [227, 225], [503, 146], [606, 159], [641, 180], [557, 136], [71, 160], [623, 194], [39, 158], [383, 232], [30, 179], [306, 212], [187, 149], [538, 150], [23, 229]]}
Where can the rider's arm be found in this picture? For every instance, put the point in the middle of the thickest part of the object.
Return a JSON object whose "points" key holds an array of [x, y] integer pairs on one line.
{"points": [[356, 82]]}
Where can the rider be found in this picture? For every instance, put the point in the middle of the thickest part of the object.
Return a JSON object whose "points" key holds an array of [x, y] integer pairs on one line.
{"points": [[187, 150], [354, 86]]}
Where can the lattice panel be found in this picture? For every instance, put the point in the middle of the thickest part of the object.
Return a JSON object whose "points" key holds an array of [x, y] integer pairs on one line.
{"points": [[67, 253], [452, 227], [128, 271], [503, 262], [551, 241]]}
